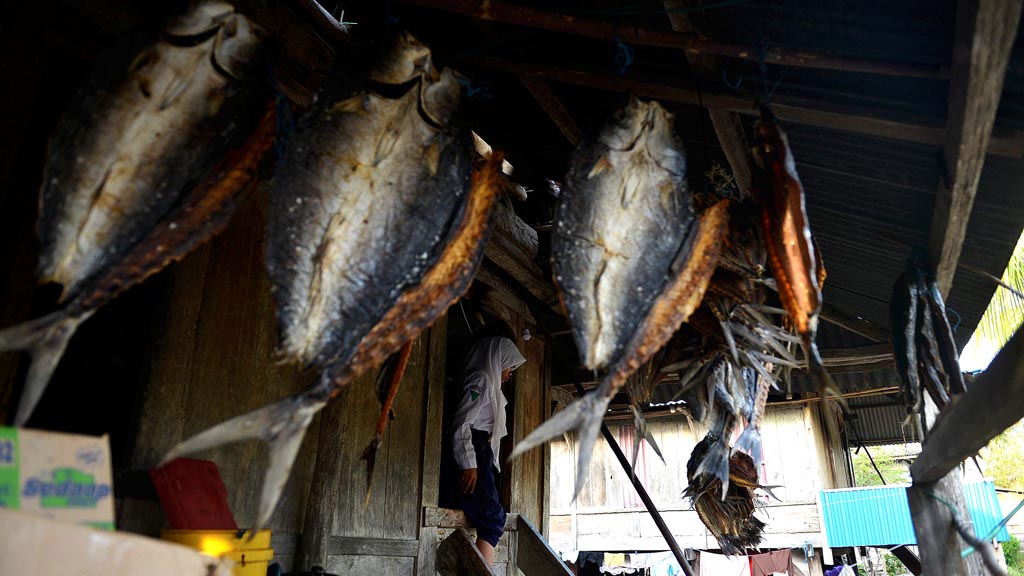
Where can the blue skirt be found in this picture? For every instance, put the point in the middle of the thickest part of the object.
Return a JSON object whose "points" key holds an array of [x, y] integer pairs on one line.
{"points": [[482, 508]]}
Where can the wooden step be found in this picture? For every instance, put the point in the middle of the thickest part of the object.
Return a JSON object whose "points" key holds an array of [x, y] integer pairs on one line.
{"points": [[457, 555], [536, 557]]}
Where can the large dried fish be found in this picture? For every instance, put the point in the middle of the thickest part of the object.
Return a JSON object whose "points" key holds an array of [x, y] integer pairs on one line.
{"points": [[137, 174], [787, 234], [629, 261], [377, 224]]}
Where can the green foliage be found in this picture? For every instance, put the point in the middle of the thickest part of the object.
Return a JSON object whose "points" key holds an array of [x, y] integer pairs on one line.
{"points": [[1002, 458], [893, 566], [1005, 311], [891, 461], [1011, 551]]}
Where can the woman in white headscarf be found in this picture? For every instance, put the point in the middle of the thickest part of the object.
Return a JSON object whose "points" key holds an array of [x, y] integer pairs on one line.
{"points": [[478, 427]]}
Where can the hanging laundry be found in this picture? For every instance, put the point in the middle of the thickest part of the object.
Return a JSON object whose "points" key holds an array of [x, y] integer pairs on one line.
{"points": [[780, 561], [719, 565]]}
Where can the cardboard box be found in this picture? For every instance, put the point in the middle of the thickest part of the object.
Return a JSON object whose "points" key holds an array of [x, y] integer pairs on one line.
{"points": [[33, 545], [64, 477]]}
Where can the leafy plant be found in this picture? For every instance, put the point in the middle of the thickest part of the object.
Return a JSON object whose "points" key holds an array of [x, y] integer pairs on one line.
{"points": [[892, 462], [893, 566], [1011, 551]]}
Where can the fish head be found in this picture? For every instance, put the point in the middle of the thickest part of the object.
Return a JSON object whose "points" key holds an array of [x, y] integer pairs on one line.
{"points": [[440, 98], [406, 60], [237, 46], [200, 19], [646, 125]]}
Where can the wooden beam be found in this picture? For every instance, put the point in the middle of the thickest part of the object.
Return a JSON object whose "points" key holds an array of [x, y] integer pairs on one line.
{"points": [[690, 41], [727, 124], [983, 40], [322, 502], [553, 107], [909, 559], [1010, 144], [938, 542], [501, 295], [993, 403], [509, 248], [536, 557]]}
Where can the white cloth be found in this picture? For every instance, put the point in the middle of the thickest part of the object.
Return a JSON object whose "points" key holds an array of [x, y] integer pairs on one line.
{"points": [[718, 565], [482, 404]]}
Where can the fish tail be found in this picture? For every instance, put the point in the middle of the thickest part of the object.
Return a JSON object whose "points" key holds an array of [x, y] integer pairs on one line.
{"points": [[816, 369], [716, 463], [749, 443], [585, 415], [281, 425], [45, 339]]}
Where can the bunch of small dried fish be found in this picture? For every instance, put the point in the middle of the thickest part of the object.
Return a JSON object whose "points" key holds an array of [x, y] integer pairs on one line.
{"points": [[727, 509], [149, 161], [378, 221], [793, 259], [922, 340], [630, 258]]}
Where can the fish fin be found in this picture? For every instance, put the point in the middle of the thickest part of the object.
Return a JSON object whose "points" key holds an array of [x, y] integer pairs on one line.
{"points": [[650, 440], [392, 375], [826, 385], [749, 443], [353, 105], [585, 415], [768, 490], [716, 464], [45, 339], [600, 166], [281, 425]]}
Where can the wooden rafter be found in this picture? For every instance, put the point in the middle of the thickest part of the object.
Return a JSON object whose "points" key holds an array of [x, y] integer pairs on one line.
{"points": [[727, 123], [690, 41], [1006, 144], [985, 31], [553, 107]]}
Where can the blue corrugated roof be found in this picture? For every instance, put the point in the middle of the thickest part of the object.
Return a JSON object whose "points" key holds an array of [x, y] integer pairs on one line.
{"points": [[880, 516]]}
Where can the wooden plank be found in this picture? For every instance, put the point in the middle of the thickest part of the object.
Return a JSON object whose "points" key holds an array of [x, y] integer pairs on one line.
{"points": [[458, 556], [402, 477], [983, 39], [348, 546], [426, 556], [553, 107], [498, 297], [432, 423], [355, 517], [692, 43], [527, 470], [322, 502], [959, 432], [376, 565], [1008, 144], [536, 557], [437, 517], [505, 249], [511, 227]]}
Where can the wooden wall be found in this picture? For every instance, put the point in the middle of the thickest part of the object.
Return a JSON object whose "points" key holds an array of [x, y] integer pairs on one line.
{"points": [[608, 517]]}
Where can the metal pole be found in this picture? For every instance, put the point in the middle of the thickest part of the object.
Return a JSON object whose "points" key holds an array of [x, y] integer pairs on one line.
{"points": [[658, 520]]}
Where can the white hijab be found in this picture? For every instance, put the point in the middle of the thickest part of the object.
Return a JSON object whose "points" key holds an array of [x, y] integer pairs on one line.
{"points": [[489, 356]]}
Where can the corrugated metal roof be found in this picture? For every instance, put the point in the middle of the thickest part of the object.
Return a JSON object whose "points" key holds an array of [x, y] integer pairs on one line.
{"points": [[880, 516]]}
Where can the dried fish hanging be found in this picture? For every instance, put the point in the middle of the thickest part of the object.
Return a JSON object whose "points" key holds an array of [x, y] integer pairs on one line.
{"points": [[362, 169], [922, 340], [630, 259]]}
